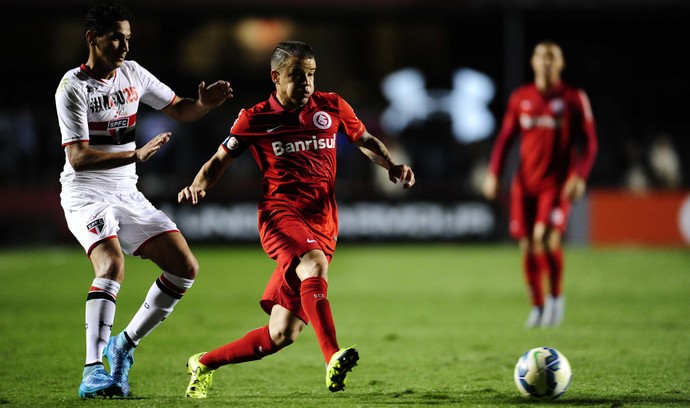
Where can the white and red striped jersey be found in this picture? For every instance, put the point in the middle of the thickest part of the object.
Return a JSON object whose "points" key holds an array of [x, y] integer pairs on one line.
{"points": [[104, 113]]}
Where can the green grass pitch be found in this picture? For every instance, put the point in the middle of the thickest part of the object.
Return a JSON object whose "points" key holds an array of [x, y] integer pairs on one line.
{"points": [[436, 325]]}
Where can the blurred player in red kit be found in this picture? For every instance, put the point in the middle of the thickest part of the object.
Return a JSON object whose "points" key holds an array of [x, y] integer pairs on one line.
{"points": [[292, 137], [557, 150]]}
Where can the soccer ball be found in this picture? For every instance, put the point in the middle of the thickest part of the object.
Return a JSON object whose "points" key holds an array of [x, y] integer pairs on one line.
{"points": [[542, 373]]}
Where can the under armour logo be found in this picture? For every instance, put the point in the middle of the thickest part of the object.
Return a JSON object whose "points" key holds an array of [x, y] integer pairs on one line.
{"points": [[467, 103]]}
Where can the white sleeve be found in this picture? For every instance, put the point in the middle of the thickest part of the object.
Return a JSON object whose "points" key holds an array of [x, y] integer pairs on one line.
{"points": [[71, 106], [154, 93]]}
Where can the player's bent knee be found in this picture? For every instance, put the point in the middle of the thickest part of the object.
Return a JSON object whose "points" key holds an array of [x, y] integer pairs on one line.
{"points": [[284, 336], [187, 269]]}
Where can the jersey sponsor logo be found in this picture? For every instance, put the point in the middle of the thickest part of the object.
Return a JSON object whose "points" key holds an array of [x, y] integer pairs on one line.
{"points": [[96, 226], [280, 148], [543, 121], [100, 103], [322, 120]]}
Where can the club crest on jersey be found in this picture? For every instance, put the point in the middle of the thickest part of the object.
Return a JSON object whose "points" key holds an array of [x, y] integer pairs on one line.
{"points": [[322, 120], [117, 128], [557, 105], [96, 226]]}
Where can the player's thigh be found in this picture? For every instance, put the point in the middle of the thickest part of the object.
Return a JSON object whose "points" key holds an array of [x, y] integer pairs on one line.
{"points": [[522, 213], [172, 254], [313, 264], [284, 234], [552, 211], [90, 216]]}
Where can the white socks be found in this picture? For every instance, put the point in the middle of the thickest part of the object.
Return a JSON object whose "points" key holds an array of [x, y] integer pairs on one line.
{"points": [[100, 313], [159, 303]]}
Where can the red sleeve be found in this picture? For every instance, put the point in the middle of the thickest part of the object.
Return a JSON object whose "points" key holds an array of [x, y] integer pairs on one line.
{"points": [[585, 160], [506, 136], [350, 124]]}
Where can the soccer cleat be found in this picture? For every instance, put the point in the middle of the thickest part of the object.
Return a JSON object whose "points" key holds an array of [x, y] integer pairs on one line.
{"points": [[121, 360], [554, 310], [96, 382], [547, 312], [535, 317], [202, 377], [341, 363]]}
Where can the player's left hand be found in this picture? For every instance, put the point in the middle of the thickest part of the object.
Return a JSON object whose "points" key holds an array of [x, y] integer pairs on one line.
{"points": [[215, 94], [574, 188], [403, 173]]}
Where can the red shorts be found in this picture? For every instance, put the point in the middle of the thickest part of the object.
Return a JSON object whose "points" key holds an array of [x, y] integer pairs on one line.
{"points": [[285, 236], [527, 209]]}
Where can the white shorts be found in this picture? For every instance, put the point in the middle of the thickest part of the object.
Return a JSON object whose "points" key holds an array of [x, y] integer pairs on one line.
{"points": [[95, 214]]}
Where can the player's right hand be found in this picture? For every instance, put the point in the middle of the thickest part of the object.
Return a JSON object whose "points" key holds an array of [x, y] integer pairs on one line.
{"points": [[191, 194], [146, 151], [490, 187]]}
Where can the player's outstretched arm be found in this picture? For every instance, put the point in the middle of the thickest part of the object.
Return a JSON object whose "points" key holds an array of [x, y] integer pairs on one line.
{"points": [[377, 152], [207, 177], [211, 96], [83, 158]]}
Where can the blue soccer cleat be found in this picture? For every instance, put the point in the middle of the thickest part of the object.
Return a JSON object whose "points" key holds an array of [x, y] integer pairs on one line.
{"points": [[96, 382], [120, 355]]}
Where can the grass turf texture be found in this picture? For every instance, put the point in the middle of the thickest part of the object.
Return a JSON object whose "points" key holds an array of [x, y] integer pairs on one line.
{"points": [[437, 325]]}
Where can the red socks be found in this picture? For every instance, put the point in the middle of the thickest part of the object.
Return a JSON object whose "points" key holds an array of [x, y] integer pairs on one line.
{"points": [[556, 272], [258, 343], [313, 293], [533, 266], [253, 346]]}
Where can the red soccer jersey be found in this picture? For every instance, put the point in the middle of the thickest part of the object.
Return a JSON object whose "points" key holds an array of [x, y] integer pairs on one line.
{"points": [[296, 151], [549, 124]]}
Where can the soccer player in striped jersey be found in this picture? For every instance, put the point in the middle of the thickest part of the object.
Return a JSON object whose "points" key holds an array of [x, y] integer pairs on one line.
{"points": [[557, 151], [97, 105]]}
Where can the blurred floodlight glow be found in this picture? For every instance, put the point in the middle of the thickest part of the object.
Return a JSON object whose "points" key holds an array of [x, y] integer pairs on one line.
{"points": [[260, 35], [467, 103]]}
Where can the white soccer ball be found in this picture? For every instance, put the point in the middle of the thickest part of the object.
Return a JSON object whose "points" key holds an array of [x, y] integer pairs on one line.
{"points": [[543, 373]]}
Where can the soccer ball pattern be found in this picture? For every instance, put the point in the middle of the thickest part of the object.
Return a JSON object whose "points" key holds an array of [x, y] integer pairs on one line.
{"points": [[542, 373]]}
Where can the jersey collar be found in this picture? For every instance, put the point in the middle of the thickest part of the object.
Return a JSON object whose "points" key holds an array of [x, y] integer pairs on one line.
{"points": [[90, 73], [277, 107]]}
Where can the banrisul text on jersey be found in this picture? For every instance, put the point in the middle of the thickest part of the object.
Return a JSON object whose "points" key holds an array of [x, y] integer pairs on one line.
{"points": [[315, 143]]}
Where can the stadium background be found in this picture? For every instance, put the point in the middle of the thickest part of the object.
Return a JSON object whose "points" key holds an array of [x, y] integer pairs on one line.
{"points": [[626, 54]]}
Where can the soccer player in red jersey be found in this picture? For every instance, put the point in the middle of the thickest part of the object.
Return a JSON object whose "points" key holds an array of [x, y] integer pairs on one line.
{"points": [[557, 151], [292, 136]]}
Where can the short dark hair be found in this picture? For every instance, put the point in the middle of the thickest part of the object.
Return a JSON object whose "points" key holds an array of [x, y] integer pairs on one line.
{"points": [[104, 16], [290, 49]]}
